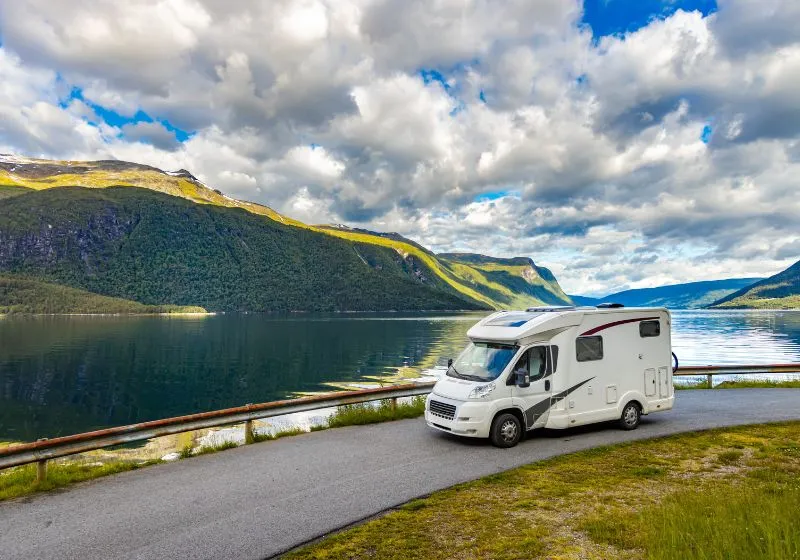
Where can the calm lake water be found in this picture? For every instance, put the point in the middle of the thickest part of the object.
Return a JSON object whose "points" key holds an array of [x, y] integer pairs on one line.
{"points": [[63, 375]]}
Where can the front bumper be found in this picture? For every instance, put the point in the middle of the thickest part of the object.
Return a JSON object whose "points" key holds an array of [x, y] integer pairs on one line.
{"points": [[471, 418]]}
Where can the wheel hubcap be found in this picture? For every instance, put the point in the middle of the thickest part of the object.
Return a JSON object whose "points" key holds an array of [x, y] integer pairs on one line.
{"points": [[508, 430], [630, 416]]}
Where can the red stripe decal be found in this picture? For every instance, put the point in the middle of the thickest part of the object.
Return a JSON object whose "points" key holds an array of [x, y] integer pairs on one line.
{"points": [[614, 324]]}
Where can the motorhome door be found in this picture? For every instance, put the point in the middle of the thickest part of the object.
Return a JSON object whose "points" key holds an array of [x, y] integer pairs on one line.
{"points": [[534, 399]]}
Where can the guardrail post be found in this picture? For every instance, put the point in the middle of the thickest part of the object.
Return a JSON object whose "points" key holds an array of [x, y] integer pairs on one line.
{"points": [[249, 433], [709, 379], [41, 468], [394, 404]]}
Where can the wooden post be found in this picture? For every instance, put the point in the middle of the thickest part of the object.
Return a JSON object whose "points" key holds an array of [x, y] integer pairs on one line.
{"points": [[41, 471], [710, 384], [249, 434], [394, 404]]}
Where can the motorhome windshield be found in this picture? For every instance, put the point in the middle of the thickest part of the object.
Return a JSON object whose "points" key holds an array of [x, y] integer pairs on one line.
{"points": [[482, 361]]}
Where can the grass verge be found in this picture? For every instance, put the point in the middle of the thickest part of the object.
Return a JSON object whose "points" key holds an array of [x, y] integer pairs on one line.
{"points": [[723, 494], [21, 481], [742, 384]]}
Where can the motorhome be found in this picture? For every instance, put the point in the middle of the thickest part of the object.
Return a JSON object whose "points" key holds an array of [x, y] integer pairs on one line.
{"points": [[556, 367]]}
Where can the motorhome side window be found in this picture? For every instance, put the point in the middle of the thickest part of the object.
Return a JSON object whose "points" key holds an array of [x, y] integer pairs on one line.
{"points": [[589, 348], [533, 362], [537, 360], [648, 329]]}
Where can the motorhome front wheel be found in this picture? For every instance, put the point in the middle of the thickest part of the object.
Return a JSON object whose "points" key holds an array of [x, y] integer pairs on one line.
{"points": [[506, 430]]}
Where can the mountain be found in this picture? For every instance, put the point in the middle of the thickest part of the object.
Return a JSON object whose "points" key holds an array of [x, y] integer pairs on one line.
{"points": [[21, 295], [586, 300], [120, 235], [692, 295], [781, 291], [516, 283]]}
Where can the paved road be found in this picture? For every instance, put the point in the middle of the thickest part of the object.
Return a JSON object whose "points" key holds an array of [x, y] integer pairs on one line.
{"points": [[260, 500]]}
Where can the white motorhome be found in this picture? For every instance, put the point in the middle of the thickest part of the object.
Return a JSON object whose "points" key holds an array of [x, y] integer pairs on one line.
{"points": [[556, 367]]}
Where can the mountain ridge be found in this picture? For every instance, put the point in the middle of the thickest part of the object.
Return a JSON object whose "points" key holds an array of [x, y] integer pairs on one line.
{"points": [[780, 291], [687, 295], [471, 283]]}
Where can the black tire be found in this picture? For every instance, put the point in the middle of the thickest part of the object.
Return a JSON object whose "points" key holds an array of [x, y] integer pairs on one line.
{"points": [[630, 417], [506, 431]]}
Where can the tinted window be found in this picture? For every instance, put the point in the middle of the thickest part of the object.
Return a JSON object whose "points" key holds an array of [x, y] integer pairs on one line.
{"points": [[589, 348], [649, 329]]}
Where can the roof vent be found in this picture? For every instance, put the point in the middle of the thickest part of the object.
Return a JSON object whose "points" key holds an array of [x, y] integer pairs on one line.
{"points": [[609, 305]]}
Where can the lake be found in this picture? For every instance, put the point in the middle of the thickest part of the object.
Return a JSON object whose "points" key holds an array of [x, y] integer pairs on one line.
{"points": [[63, 375]]}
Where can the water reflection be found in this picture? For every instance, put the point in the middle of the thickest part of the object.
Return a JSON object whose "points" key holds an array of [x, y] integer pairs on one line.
{"points": [[62, 375], [736, 337]]}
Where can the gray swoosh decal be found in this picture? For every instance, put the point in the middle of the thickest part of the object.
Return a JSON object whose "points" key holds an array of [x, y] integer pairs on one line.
{"points": [[543, 406]]}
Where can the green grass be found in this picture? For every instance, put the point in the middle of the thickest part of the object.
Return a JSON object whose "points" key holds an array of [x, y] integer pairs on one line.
{"points": [[21, 481], [722, 494], [288, 432], [741, 384], [366, 413], [206, 449]]}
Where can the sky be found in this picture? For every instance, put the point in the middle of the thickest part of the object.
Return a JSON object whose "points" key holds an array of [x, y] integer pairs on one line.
{"points": [[621, 143]]}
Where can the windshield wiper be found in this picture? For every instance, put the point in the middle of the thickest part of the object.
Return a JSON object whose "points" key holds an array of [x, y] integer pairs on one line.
{"points": [[467, 377]]}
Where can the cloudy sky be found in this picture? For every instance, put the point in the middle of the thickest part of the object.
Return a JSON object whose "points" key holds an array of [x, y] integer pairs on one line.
{"points": [[622, 143]]}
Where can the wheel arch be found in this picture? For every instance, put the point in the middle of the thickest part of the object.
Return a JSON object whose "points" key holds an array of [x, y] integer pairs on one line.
{"points": [[635, 397], [512, 410]]}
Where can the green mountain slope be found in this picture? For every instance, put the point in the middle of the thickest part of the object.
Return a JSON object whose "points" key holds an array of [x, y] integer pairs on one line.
{"points": [[514, 283], [157, 249], [692, 295], [475, 285], [22, 295], [781, 291]]}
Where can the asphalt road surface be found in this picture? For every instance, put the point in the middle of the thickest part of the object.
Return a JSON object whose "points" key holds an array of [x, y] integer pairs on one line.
{"points": [[260, 500]]}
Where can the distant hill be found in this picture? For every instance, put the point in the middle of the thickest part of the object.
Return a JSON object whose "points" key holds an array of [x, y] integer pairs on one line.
{"points": [[692, 295], [585, 300], [781, 291], [21, 295]]}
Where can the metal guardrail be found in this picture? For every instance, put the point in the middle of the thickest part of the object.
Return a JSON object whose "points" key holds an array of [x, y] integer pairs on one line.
{"points": [[754, 369], [45, 449]]}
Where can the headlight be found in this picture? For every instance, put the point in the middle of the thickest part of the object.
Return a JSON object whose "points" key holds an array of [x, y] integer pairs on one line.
{"points": [[481, 391]]}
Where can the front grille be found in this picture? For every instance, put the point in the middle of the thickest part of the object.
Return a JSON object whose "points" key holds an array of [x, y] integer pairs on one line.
{"points": [[442, 410]]}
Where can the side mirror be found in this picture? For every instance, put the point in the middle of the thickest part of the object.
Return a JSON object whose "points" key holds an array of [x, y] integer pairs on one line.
{"points": [[523, 379], [450, 362]]}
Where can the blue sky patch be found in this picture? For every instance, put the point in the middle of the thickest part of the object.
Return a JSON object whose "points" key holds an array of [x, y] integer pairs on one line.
{"points": [[612, 17], [112, 118], [494, 195], [430, 76], [705, 136]]}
